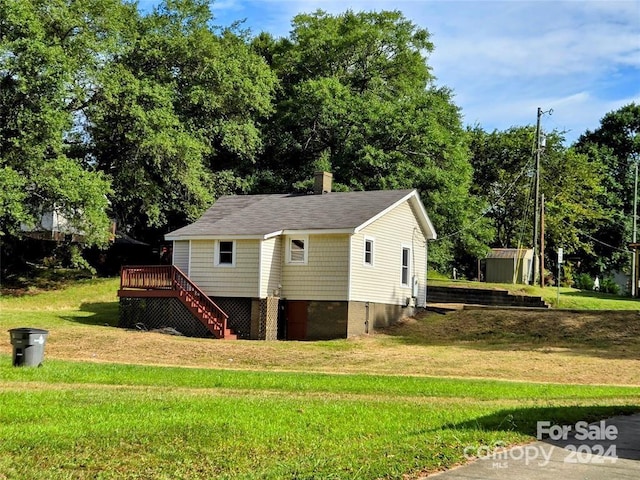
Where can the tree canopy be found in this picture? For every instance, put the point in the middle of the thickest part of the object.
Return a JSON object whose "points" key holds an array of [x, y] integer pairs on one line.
{"points": [[358, 98], [616, 145], [178, 114], [50, 54], [107, 113], [587, 188]]}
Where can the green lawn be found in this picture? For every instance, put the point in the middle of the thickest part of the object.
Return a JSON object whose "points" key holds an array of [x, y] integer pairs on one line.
{"points": [[82, 419], [78, 420], [570, 298]]}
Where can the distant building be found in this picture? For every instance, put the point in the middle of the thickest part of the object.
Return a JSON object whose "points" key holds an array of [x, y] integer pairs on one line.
{"points": [[508, 265], [52, 225]]}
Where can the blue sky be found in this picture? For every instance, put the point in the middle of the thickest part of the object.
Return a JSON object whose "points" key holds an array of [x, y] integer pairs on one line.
{"points": [[502, 59]]}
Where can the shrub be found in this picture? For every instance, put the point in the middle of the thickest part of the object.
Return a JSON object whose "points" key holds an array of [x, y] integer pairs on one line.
{"points": [[584, 282], [567, 280], [608, 285]]}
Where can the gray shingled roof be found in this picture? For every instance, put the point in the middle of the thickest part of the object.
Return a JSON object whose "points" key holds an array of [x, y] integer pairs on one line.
{"points": [[507, 252], [265, 214]]}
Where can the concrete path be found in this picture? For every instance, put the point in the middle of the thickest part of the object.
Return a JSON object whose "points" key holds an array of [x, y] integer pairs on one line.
{"points": [[606, 450]]}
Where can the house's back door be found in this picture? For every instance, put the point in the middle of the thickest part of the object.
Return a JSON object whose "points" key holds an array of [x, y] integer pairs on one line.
{"points": [[297, 316]]}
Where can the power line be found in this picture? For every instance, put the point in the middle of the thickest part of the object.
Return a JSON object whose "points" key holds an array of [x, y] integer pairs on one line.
{"points": [[596, 240], [494, 205]]}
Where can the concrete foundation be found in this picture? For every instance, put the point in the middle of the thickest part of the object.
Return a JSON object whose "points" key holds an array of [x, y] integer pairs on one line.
{"points": [[366, 317], [327, 320]]}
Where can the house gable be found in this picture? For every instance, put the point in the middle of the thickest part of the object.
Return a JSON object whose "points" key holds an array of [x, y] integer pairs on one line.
{"points": [[399, 228]]}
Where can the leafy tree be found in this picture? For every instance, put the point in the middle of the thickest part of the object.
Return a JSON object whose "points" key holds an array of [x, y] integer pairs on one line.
{"points": [[572, 185], [618, 140], [50, 52], [616, 144], [357, 97], [503, 175], [570, 181], [177, 117]]}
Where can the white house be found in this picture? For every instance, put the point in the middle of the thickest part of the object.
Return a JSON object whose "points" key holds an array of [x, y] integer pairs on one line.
{"points": [[319, 266]]}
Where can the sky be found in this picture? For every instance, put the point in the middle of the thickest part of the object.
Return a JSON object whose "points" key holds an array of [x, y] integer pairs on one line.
{"points": [[576, 60]]}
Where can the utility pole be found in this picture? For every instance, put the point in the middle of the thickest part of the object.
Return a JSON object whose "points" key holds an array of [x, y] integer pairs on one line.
{"points": [[542, 241], [536, 215], [634, 273], [536, 193]]}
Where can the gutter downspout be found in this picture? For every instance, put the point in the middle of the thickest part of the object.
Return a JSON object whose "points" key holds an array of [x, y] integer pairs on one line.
{"points": [[426, 270]]}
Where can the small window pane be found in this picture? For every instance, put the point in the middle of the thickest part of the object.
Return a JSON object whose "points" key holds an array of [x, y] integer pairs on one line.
{"points": [[297, 250], [226, 253], [368, 252], [405, 266]]}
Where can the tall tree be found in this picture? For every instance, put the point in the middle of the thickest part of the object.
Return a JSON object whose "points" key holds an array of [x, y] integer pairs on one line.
{"points": [[570, 181], [503, 173], [358, 97], [616, 143], [50, 55], [177, 117]]}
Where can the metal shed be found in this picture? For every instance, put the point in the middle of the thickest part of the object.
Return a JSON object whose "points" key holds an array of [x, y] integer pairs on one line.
{"points": [[509, 265]]}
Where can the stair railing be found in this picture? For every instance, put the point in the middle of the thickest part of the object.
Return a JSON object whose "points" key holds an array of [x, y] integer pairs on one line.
{"points": [[170, 277], [183, 283]]}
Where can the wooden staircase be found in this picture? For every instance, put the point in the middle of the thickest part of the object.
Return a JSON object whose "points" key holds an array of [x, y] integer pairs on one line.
{"points": [[157, 281]]}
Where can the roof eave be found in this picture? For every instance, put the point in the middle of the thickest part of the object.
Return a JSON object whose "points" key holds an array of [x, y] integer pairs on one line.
{"points": [[319, 231], [170, 237]]}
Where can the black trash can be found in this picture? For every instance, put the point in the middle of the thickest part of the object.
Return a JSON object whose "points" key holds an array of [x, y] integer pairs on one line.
{"points": [[28, 346]]}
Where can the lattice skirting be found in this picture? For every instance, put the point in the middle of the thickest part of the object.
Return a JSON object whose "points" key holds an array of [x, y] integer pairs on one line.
{"points": [[239, 311], [156, 313], [269, 310]]}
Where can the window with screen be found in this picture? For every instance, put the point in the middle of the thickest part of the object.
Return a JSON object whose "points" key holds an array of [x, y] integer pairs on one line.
{"points": [[297, 250]]}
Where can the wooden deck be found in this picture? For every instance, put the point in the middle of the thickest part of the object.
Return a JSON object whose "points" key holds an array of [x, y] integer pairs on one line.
{"points": [[168, 281]]}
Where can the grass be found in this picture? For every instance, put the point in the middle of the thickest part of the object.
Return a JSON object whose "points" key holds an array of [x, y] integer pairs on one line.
{"points": [[112, 403], [38, 278], [75, 420], [570, 298]]}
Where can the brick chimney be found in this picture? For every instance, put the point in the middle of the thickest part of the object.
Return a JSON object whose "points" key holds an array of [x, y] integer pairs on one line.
{"points": [[322, 183]]}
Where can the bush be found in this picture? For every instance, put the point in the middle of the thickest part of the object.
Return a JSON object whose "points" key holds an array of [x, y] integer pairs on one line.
{"points": [[567, 280], [584, 282], [608, 285], [68, 256]]}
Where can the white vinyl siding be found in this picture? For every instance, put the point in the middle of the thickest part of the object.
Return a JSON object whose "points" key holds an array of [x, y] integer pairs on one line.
{"points": [[181, 255], [382, 282], [240, 281], [270, 267], [324, 276]]}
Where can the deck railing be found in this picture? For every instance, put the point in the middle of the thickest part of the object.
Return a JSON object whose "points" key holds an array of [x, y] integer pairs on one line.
{"points": [[148, 277], [170, 277]]}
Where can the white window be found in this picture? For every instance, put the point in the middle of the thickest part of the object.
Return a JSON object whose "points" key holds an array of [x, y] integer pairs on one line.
{"points": [[368, 251], [406, 266], [225, 254], [298, 250]]}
